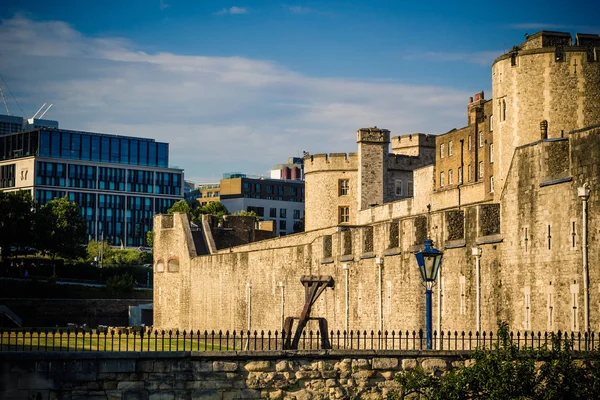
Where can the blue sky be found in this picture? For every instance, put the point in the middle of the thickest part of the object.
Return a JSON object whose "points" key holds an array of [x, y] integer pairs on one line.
{"points": [[243, 85]]}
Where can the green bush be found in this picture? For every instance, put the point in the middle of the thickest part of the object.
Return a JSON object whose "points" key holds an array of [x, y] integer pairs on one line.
{"points": [[120, 284], [507, 372]]}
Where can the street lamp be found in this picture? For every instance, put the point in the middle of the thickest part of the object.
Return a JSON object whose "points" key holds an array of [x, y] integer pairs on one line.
{"points": [[429, 260]]}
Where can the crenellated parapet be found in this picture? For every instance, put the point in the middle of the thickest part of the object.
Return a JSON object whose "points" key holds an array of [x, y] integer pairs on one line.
{"points": [[330, 162], [413, 144]]}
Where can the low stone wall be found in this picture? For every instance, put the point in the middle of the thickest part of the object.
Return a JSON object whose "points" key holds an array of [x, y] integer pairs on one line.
{"points": [[212, 375], [60, 312]]}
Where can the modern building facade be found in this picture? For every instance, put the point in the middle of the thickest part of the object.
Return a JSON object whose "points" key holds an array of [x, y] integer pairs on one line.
{"points": [[277, 200], [119, 182], [293, 169]]}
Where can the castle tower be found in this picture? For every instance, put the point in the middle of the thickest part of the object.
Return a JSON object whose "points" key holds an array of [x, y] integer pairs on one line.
{"points": [[546, 78], [373, 147]]}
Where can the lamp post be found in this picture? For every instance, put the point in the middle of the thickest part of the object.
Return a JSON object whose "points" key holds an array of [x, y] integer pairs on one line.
{"points": [[429, 260]]}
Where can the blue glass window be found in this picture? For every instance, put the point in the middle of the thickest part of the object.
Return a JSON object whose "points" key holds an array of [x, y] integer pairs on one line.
{"points": [[124, 151], [105, 153], [75, 145], [65, 148], [85, 147], [114, 150], [134, 154], [95, 148], [152, 154], [44, 144], [55, 145], [143, 153], [163, 152]]}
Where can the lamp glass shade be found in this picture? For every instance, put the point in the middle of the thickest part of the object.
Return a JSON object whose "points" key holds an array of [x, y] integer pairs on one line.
{"points": [[429, 260]]}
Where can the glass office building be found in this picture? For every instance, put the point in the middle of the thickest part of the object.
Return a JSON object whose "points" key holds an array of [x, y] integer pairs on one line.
{"points": [[119, 182]]}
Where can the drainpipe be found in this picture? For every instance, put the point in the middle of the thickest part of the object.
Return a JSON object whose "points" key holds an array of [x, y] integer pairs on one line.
{"points": [[439, 308], [584, 193], [249, 302], [379, 262], [282, 286], [476, 251], [347, 309]]}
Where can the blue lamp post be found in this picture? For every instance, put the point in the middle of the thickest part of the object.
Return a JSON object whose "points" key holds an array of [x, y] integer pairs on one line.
{"points": [[429, 260]]}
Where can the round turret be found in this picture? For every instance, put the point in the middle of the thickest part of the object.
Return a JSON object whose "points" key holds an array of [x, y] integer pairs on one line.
{"points": [[547, 78]]}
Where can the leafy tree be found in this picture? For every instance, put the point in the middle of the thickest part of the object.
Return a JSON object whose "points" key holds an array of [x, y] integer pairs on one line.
{"points": [[244, 213], [16, 221], [61, 229], [214, 208], [150, 238], [97, 248], [180, 206]]}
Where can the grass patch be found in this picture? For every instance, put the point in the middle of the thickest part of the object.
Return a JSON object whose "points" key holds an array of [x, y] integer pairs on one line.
{"points": [[54, 341]]}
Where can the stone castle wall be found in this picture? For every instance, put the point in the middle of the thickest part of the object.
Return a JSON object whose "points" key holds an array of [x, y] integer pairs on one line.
{"points": [[212, 375], [529, 229]]}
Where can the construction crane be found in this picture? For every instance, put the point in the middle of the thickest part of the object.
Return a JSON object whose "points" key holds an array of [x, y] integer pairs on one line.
{"points": [[4, 101]]}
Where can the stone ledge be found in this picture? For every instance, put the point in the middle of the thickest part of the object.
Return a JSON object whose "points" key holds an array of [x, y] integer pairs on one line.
{"points": [[393, 251], [348, 257], [327, 260], [455, 244], [489, 239], [367, 255], [556, 181]]}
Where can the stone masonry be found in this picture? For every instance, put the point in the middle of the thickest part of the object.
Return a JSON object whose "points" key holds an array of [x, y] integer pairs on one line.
{"points": [[533, 144], [211, 375]]}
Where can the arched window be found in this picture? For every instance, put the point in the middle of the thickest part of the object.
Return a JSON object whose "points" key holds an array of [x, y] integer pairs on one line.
{"points": [[503, 110], [160, 266], [173, 266]]}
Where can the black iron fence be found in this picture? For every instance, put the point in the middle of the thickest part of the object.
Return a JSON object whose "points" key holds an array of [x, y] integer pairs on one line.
{"points": [[196, 340]]}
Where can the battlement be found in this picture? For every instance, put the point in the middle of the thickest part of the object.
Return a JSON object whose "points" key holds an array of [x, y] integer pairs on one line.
{"points": [[372, 135], [546, 39], [557, 42], [330, 162], [413, 144]]}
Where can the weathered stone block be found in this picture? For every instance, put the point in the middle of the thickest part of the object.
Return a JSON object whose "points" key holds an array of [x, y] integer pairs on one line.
{"points": [[135, 395], [385, 363], [258, 366], [130, 385], [283, 365], [202, 366], [225, 366], [145, 365], [360, 363], [206, 395], [409, 363], [163, 366], [434, 364], [162, 395], [116, 366]]}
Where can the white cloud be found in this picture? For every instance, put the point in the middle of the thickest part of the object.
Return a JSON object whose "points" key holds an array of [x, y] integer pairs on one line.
{"points": [[163, 5], [219, 114], [232, 11], [484, 58]]}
